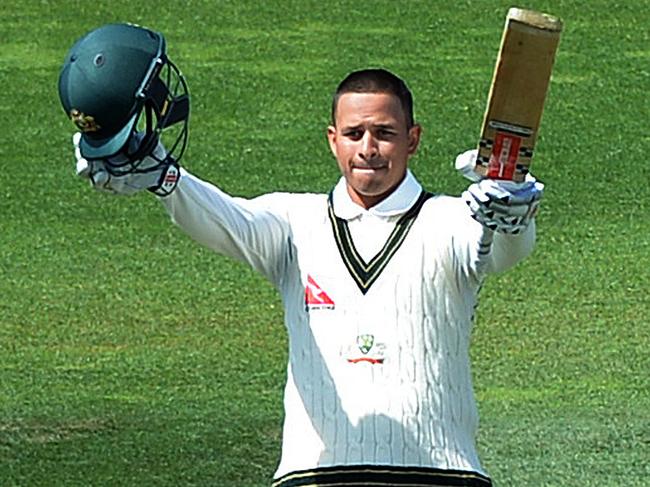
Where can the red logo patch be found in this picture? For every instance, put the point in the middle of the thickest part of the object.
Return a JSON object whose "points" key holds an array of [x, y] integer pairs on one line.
{"points": [[315, 297], [503, 160]]}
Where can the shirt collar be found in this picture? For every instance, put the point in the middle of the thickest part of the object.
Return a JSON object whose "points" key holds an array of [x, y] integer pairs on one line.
{"points": [[399, 201]]}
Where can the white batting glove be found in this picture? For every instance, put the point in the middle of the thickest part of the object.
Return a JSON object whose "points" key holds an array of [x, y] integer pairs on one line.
{"points": [[465, 163], [502, 206], [121, 175]]}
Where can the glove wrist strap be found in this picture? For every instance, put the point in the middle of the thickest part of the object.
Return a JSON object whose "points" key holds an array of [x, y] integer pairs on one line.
{"points": [[168, 181]]}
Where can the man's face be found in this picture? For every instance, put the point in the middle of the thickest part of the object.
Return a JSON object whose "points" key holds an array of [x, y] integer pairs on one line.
{"points": [[372, 144]]}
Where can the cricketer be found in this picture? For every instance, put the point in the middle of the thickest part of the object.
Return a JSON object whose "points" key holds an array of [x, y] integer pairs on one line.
{"points": [[379, 278]]}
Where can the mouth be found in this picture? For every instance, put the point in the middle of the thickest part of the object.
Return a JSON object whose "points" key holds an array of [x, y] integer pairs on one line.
{"points": [[369, 168]]}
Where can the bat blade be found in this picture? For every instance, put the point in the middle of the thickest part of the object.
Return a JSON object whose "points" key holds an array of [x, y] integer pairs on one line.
{"points": [[516, 99]]}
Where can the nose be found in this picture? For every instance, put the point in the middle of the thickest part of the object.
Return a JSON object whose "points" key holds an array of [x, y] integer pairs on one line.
{"points": [[369, 148]]}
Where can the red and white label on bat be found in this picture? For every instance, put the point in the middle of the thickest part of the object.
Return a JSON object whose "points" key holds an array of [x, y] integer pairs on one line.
{"points": [[503, 160]]}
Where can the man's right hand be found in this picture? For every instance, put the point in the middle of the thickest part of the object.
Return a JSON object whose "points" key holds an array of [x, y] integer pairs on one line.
{"points": [[121, 175], [502, 206]]}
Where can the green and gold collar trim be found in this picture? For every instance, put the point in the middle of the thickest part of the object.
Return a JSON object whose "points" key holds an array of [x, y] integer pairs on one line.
{"points": [[365, 274]]}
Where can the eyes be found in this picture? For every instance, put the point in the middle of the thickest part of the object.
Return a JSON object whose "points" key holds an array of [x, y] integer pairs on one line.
{"points": [[379, 133]]}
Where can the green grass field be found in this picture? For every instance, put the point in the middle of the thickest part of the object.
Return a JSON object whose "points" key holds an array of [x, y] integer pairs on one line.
{"points": [[131, 356]]}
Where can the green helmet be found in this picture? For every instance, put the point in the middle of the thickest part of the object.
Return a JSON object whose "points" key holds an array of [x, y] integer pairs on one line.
{"points": [[117, 80]]}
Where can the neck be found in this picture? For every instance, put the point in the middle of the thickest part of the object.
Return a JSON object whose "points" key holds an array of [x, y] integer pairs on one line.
{"points": [[367, 201]]}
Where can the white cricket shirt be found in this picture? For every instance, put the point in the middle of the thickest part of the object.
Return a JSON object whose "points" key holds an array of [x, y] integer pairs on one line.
{"points": [[379, 306]]}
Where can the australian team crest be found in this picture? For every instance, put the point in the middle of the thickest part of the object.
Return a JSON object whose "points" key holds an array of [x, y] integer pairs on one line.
{"points": [[365, 342], [366, 349], [84, 122]]}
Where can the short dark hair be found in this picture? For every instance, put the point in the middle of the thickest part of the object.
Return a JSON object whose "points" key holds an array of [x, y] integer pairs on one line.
{"points": [[375, 80]]}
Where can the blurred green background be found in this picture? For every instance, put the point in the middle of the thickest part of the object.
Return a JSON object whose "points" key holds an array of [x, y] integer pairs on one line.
{"points": [[131, 356]]}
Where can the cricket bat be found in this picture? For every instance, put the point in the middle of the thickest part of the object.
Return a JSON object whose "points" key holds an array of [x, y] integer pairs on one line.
{"points": [[516, 99]]}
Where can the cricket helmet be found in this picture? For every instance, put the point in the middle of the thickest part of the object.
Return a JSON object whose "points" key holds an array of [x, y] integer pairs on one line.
{"points": [[117, 80]]}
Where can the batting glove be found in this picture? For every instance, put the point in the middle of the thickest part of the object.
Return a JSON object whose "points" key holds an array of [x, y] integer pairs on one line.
{"points": [[502, 206], [465, 164], [121, 175]]}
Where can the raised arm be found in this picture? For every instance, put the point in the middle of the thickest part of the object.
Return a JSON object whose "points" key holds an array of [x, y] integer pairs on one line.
{"points": [[247, 230], [505, 212]]}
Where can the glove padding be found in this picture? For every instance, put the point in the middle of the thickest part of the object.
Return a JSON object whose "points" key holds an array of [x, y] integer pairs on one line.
{"points": [[121, 175], [504, 206], [465, 164]]}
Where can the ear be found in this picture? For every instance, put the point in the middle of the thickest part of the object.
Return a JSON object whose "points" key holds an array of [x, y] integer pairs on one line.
{"points": [[331, 138], [414, 138]]}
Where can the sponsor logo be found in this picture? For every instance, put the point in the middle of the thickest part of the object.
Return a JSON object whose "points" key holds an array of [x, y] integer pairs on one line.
{"points": [[171, 177], [315, 297], [84, 122]]}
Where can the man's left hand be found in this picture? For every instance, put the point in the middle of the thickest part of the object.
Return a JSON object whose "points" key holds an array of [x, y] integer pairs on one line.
{"points": [[504, 206], [121, 175]]}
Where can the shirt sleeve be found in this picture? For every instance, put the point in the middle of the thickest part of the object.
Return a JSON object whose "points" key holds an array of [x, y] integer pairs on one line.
{"points": [[481, 251], [508, 250], [247, 230]]}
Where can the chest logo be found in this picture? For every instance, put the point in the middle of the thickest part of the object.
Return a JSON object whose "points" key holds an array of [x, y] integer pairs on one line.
{"points": [[366, 349], [364, 342], [315, 297]]}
